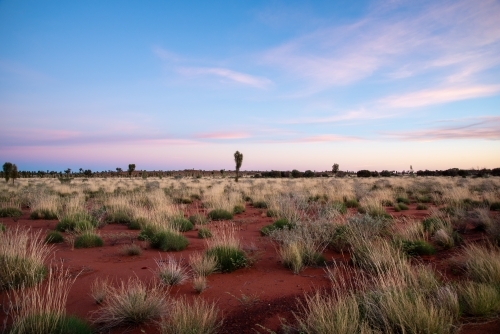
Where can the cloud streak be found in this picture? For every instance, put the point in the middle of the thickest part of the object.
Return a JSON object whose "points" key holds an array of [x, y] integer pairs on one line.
{"points": [[481, 128], [224, 73]]}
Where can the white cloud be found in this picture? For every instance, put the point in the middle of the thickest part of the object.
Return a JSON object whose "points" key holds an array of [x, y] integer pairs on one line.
{"points": [[238, 77]]}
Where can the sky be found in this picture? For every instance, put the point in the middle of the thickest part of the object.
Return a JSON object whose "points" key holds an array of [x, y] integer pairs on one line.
{"points": [[171, 85]]}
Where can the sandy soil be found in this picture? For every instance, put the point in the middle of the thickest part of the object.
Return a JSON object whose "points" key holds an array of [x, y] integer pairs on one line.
{"points": [[259, 295]]}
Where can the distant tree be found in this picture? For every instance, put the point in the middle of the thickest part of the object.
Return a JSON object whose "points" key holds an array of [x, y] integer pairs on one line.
{"points": [[385, 173], [364, 173], [296, 173], [308, 173], [87, 172], [131, 168], [67, 172], [238, 159], [222, 172], [335, 168], [14, 174], [7, 170]]}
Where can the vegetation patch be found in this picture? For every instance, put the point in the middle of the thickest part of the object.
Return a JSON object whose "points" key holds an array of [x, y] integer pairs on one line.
{"points": [[220, 214], [88, 240], [43, 214], [167, 240], [10, 212]]}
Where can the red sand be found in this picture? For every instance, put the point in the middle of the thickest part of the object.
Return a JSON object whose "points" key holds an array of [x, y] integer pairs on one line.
{"points": [[259, 295]]}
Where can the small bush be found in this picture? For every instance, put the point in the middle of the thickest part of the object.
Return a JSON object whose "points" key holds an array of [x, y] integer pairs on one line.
{"points": [[196, 317], [228, 258], [421, 206], [198, 219], [54, 237], [402, 206], [404, 200], [167, 240], [119, 217], [271, 213], [199, 283], [204, 233], [279, 224], [340, 207], [443, 239], [147, 232], [418, 247], [2, 227], [479, 299], [43, 214], [431, 224], [220, 214], [80, 220], [137, 224], [351, 203], [88, 240], [10, 212], [238, 209], [495, 206], [181, 224], [482, 264], [260, 205], [131, 250]]}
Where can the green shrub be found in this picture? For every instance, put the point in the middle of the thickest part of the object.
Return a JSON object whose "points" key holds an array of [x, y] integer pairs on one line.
{"points": [[277, 225], [340, 207], [431, 224], [495, 206], [424, 199], [220, 214], [88, 240], [72, 325], [402, 206], [119, 217], [260, 205], [228, 258], [238, 209], [16, 271], [417, 247], [404, 200], [351, 203], [54, 237], [421, 206], [387, 202], [43, 214], [181, 224], [51, 323], [167, 240], [137, 223], [339, 237], [147, 232], [271, 213], [80, 220], [479, 299], [10, 212], [198, 219], [204, 233], [397, 208], [2, 227]]}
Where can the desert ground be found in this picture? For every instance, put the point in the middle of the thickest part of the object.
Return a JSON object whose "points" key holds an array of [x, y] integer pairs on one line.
{"points": [[348, 255]]}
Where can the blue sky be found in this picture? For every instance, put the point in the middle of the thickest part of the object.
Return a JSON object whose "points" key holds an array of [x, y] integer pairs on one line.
{"points": [[290, 84]]}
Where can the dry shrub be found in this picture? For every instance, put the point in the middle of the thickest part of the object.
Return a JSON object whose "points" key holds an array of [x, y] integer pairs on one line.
{"points": [[170, 271], [197, 317], [202, 265], [482, 264]]}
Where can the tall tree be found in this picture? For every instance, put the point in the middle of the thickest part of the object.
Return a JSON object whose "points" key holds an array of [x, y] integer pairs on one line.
{"points": [[7, 170], [238, 158], [14, 173], [131, 168], [335, 168]]}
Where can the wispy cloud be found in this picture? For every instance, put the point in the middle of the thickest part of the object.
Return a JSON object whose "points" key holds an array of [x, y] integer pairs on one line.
{"points": [[352, 115], [480, 128], [452, 41], [238, 77], [328, 138], [223, 135], [439, 95]]}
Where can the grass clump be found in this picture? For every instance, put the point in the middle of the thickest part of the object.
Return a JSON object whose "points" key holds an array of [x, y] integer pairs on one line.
{"points": [[131, 250], [237, 209], [54, 237], [202, 264], [482, 264], [171, 272], [400, 206], [225, 248], [132, 302], [22, 257], [495, 206], [43, 214], [479, 299], [279, 224], [351, 203], [198, 317], [404, 200], [10, 212], [168, 240], [220, 214], [200, 284], [421, 206], [88, 239], [417, 247], [79, 221], [99, 290], [198, 219], [340, 207], [260, 204], [44, 307], [204, 233], [443, 239], [181, 224]]}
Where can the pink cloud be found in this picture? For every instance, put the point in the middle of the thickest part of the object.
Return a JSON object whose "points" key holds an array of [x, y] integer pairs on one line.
{"points": [[223, 135], [328, 138], [241, 78]]}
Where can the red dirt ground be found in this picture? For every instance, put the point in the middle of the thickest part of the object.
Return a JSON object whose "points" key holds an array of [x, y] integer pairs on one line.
{"points": [[262, 294]]}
